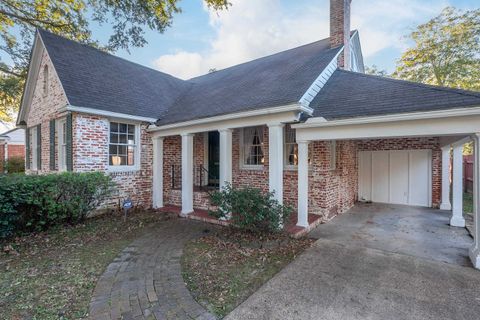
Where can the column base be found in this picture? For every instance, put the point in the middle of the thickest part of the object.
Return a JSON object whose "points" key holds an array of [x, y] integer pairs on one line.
{"points": [[475, 257], [457, 222], [301, 224], [185, 213], [445, 206]]}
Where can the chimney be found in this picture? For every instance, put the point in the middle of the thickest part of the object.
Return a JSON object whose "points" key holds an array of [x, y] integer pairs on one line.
{"points": [[340, 30]]}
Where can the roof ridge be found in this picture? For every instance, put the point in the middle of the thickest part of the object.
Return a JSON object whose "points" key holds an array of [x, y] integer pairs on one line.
{"points": [[89, 47], [263, 57], [418, 84]]}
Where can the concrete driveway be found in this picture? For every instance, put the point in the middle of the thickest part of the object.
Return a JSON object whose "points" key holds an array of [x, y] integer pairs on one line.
{"points": [[375, 262]]}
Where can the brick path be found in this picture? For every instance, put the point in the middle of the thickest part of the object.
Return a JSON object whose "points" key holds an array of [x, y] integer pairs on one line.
{"points": [[145, 281]]}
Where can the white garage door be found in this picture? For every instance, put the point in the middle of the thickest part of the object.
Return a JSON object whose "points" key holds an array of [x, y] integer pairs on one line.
{"points": [[399, 177]]}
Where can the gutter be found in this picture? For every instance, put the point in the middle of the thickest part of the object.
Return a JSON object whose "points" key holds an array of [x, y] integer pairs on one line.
{"points": [[231, 116], [107, 113], [320, 122]]}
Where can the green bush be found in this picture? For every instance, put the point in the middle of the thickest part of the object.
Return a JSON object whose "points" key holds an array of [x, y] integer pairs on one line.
{"points": [[251, 209], [14, 165], [36, 202]]}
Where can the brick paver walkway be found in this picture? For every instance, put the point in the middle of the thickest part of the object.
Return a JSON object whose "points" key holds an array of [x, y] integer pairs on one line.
{"points": [[145, 281]]}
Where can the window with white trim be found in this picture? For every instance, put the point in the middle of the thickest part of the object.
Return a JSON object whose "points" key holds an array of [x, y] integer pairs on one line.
{"points": [[252, 139], [123, 147], [62, 144], [34, 148], [333, 155], [291, 147]]}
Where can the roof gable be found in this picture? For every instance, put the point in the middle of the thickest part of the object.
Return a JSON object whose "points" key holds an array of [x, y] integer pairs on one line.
{"points": [[95, 79], [350, 94]]}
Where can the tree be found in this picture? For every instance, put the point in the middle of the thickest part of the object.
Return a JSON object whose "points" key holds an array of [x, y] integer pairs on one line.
{"points": [[373, 70], [446, 51], [70, 18]]}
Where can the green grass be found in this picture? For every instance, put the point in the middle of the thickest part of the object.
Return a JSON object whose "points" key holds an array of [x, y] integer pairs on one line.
{"points": [[51, 275], [221, 273], [467, 203]]}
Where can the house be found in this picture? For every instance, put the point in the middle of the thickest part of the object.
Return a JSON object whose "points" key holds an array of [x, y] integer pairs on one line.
{"points": [[306, 123], [12, 146]]}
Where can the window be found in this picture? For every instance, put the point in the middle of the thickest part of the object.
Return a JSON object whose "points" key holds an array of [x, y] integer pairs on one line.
{"points": [[123, 145], [45, 80], [34, 148], [291, 147], [333, 155], [253, 146], [62, 144]]}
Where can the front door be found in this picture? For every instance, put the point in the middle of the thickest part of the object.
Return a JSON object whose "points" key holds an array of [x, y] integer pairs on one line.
{"points": [[213, 158]]}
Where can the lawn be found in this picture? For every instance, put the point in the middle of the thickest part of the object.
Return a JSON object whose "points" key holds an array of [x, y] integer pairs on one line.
{"points": [[467, 203], [222, 269], [51, 275]]}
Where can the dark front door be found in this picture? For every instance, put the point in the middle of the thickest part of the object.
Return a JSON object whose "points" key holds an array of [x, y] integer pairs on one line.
{"points": [[213, 158]]}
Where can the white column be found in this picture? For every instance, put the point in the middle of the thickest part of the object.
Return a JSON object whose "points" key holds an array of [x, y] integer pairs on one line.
{"points": [[187, 173], [457, 219], [157, 180], [475, 249], [225, 157], [445, 205], [302, 183], [275, 160]]}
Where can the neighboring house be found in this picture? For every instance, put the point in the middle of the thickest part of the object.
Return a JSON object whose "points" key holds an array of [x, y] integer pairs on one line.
{"points": [[305, 123], [12, 146]]}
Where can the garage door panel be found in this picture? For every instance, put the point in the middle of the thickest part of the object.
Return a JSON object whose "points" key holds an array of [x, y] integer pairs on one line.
{"points": [[419, 175], [380, 176], [398, 177]]}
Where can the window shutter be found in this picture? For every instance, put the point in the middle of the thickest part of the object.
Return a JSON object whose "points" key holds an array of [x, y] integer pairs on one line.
{"points": [[69, 147], [27, 148], [52, 144], [39, 147]]}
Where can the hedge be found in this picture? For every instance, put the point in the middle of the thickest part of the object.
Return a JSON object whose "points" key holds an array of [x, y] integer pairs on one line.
{"points": [[30, 203]]}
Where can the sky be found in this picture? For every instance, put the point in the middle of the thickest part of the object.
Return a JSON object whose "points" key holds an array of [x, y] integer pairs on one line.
{"points": [[201, 39]]}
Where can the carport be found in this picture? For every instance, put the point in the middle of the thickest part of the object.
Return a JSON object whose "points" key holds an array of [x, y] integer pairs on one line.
{"points": [[404, 176]]}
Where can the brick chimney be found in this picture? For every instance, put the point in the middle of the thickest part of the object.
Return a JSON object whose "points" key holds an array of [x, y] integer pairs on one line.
{"points": [[340, 30]]}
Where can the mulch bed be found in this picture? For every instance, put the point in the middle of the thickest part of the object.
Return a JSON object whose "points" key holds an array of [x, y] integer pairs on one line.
{"points": [[224, 268]]}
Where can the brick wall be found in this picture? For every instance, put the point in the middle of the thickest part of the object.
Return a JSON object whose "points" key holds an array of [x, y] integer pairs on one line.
{"points": [[415, 144], [46, 107], [340, 28], [2, 157], [90, 153]]}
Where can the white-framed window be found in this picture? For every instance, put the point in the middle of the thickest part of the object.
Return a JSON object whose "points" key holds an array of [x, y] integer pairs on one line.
{"points": [[333, 155], [123, 147], [290, 147], [45, 80], [34, 148], [252, 155], [62, 144]]}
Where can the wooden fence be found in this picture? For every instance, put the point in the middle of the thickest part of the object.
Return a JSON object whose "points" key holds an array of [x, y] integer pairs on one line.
{"points": [[468, 173]]}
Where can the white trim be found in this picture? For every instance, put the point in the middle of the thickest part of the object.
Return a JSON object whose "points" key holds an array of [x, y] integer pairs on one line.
{"points": [[474, 251], [322, 122], [157, 178], [62, 165], [109, 114], [445, 203], [187, 174], [225, 170], [321, 80], [242, 165], [457, 220], [233, 116], [137, 145], [302, 183], [275, 160]]}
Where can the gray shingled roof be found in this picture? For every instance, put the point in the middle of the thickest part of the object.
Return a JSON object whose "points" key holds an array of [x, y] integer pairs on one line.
{"points": [[95, 79], [270, 81], [351, 94]]}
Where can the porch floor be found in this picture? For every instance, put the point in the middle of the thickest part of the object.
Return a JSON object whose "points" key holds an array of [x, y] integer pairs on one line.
{"points": [[291, 228]]}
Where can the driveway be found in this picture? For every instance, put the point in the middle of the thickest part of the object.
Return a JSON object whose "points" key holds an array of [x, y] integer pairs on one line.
{"points": [[375, 262]]}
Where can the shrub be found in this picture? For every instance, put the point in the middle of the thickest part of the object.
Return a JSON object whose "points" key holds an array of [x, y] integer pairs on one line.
{"points": [[14, 165], [36, 202], [251, 209]]}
